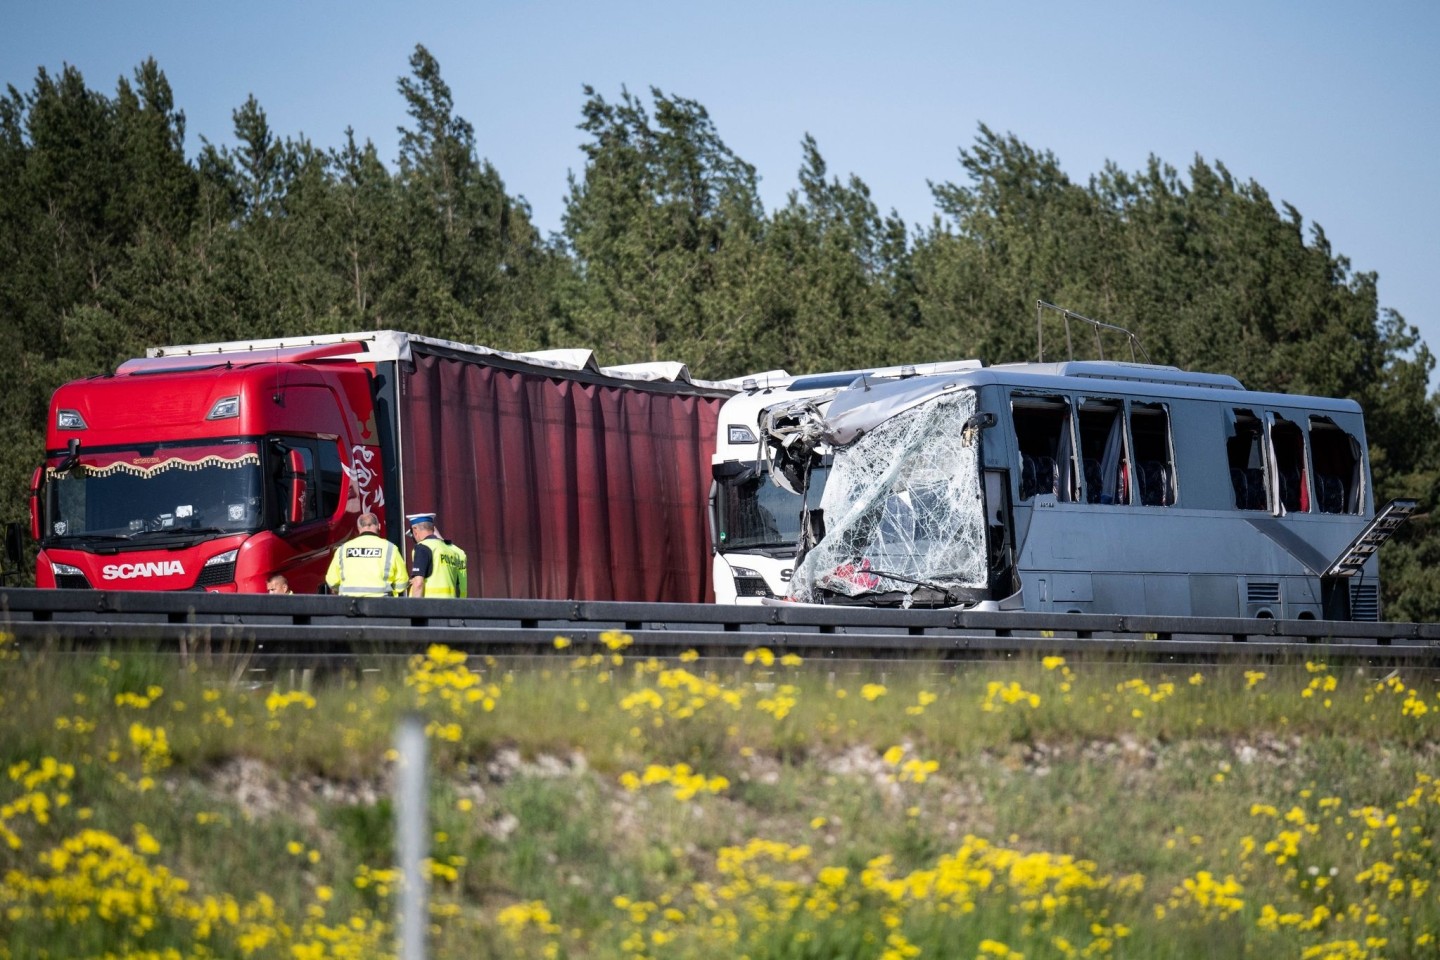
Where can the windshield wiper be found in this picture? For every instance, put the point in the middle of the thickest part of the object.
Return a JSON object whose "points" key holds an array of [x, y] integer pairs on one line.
{"points": [[760, 545], [937, 587], [162, 533]]}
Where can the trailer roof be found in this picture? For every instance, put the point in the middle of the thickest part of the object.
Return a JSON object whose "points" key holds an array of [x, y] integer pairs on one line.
{"points": [[386, 345]]}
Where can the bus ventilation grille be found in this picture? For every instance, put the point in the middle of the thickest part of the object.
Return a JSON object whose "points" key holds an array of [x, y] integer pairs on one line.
{"points": [[1364, 601], [1261, 592]]}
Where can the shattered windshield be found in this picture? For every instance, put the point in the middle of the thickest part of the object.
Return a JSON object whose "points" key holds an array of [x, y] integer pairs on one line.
{"points": [[756, 513], [126, 494], [904, 499]]}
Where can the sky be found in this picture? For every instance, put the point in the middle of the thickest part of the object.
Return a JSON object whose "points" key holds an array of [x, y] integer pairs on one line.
{"points": [[1332, 107]]}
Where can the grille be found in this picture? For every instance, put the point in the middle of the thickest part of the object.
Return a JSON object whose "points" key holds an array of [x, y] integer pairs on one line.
{"points": [[1364, 601], [216, 574], [1262, 592], [71, 581], [751, 587]]}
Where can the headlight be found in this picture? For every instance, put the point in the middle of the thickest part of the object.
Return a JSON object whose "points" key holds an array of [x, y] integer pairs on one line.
{"points": [[69, 420], [227, 557], [224, 409], [739, 433], [65, 570], [744, 572]]}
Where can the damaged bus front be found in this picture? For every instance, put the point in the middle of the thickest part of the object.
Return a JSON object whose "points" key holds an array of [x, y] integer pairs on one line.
{"points": [[902, 520], [760, 488], [1093, 487]]}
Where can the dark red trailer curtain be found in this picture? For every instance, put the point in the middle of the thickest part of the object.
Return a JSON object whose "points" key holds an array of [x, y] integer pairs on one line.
{"points": [[561, 489]]}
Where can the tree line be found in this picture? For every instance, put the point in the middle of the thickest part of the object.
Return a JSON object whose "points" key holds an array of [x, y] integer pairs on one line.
{"points": [[113, 240]]}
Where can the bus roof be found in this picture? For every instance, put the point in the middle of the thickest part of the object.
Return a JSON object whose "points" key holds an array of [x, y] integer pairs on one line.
{"points": [[856, 411], [1119, 370]]}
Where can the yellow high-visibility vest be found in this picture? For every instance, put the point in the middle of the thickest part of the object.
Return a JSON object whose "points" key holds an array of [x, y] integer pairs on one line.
{"points": [[448, 577], [367, 566]]}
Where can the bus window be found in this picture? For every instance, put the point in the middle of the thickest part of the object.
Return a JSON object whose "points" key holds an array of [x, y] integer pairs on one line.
{"points": [[1288, 444], [1246, 453], [1102, 451], [1154, 463], [1337, 467], [1042, 434]]}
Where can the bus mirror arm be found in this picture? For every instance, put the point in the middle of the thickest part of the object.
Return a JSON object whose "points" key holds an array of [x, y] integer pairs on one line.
{"points": [[971, 431]]}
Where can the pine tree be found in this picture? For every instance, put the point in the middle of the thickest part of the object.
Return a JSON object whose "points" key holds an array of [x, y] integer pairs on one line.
{"points": [[664, 227], [470, 258]]}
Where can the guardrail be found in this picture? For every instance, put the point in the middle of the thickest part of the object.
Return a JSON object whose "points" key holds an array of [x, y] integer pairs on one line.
{"points": [[324, 627]]}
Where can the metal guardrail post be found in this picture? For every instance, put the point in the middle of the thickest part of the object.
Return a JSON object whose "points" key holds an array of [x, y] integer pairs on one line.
{"points": [[410, 834]]}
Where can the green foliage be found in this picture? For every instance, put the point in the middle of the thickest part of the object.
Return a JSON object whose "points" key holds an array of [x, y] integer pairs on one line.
{"points": [[467, 259], [833, 277], [664, 228], [367, 830], [112, 241], [148, 808]]}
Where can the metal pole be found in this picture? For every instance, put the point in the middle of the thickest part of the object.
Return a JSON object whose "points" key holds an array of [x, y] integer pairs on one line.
{"points": [[1040, 329], [410, 834]]}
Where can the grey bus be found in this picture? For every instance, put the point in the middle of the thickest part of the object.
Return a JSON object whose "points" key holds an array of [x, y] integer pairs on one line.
{"points": [[1094, 487]]}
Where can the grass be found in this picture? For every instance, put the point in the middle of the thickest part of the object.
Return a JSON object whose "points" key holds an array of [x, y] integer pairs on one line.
{"points": [[597, 805]]}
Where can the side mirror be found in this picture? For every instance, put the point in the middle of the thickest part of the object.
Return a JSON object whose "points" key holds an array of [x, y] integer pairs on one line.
{"points": [[295, 512], [35, 502]]}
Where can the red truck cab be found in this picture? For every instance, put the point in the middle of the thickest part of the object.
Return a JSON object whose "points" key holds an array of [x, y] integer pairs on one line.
{"points": [[207, 472]]}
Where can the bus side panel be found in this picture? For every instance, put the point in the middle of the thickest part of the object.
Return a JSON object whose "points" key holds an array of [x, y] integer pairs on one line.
{"points": [[1132, 554], [561, 489], [1215, 595]]}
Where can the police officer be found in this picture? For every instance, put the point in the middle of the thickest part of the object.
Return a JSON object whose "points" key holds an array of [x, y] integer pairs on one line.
{"points": [[367, 565], [437, 566]]}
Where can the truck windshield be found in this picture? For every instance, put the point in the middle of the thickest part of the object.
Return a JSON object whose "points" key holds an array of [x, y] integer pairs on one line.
{"points": [[904, 499], [168, 488], [755, 513]]}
